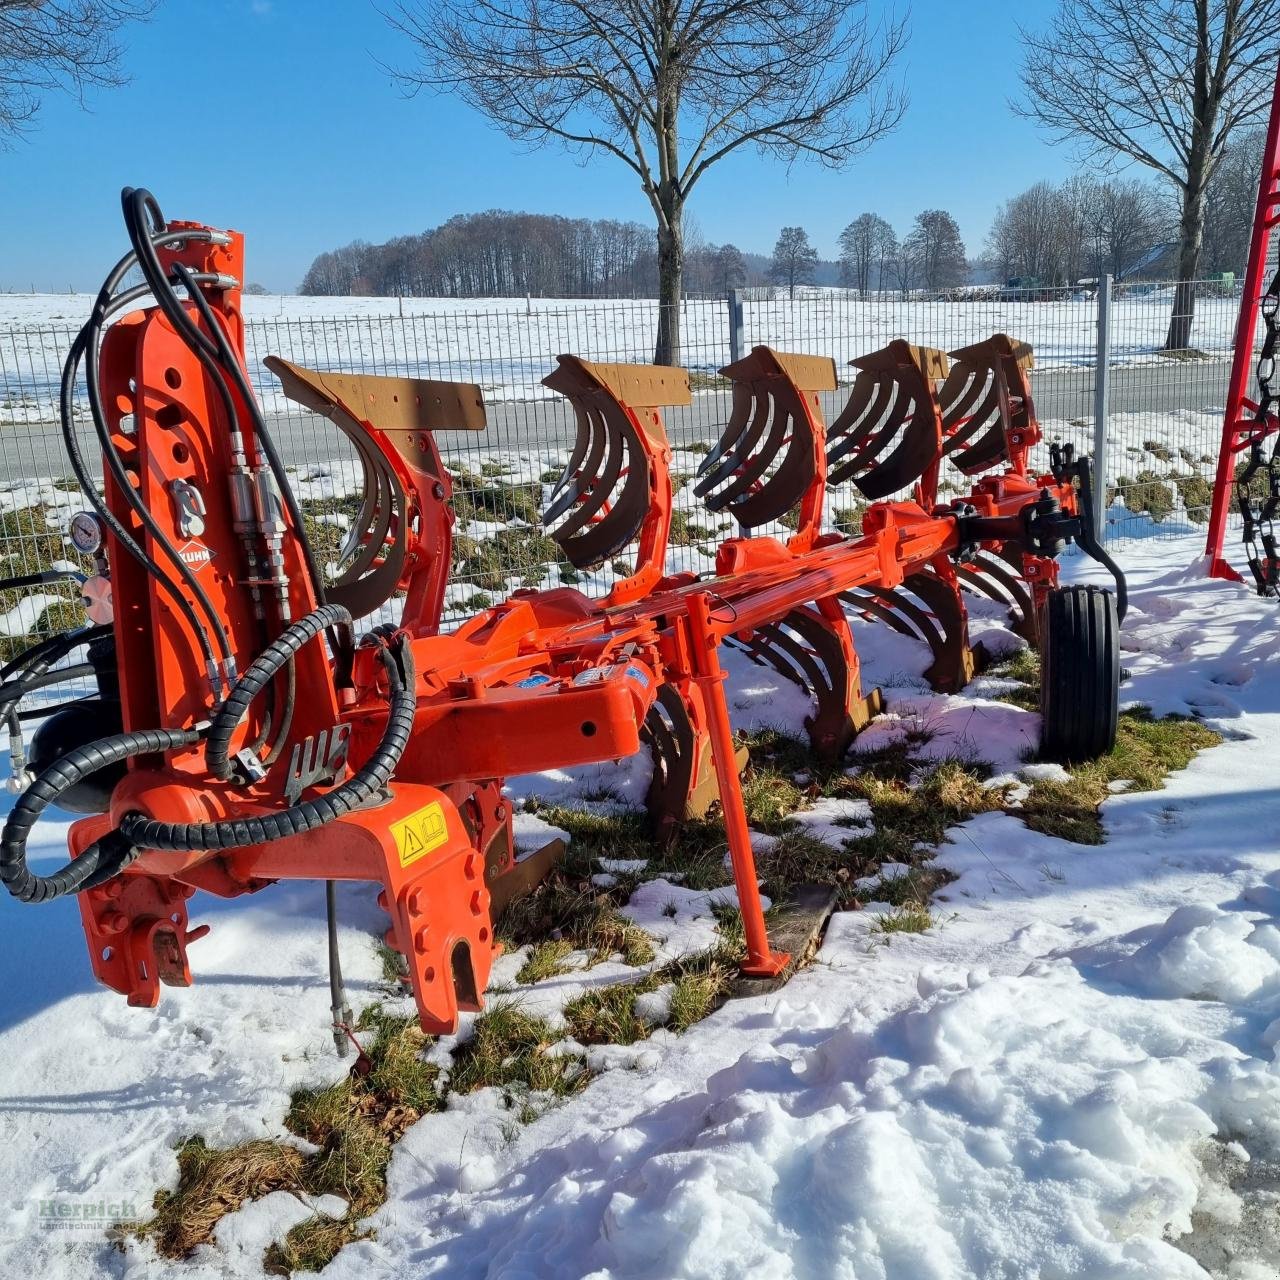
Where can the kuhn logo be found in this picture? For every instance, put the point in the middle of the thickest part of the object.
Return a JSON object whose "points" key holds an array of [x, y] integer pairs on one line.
{"points": [[195, 555]]}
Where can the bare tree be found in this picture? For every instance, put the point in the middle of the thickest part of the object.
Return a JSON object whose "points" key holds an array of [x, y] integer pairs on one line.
{"points": [[1230, 201], [1077, 200], [1163, 83], [937, 250], [1128, 219], [1055, 235], [669, 88], [904, 266], [886, 256], [731, 270], [1027, 235], [51, 45], [794, 259], [864, 243]]}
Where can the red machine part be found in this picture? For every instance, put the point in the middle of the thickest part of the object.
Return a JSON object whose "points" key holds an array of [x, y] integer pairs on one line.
{"points": [[402, 536], [771, 457], [547, 679], [172, 435], [1241, 427], [616, 488]]}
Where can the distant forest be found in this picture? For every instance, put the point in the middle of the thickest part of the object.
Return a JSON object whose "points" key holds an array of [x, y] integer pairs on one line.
{"points": [[503, 255], [1049, 234]]}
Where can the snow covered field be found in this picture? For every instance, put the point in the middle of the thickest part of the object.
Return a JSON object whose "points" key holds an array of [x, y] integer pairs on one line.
{"points": [[1061, 1077], [508, 344]]}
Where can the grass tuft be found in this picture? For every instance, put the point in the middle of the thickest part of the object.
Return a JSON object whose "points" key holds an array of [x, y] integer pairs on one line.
{"points": [[702, 983], [508, 1050], [353, 1124], [1147, 750], [213, 1182], [912, 917], [395, 970], [607, 1015], [545, 960], [567, 907], [1148, 492], [310, 1246]]}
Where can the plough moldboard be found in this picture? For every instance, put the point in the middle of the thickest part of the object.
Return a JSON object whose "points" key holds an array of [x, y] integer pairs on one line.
{"points": [[244, 731]]}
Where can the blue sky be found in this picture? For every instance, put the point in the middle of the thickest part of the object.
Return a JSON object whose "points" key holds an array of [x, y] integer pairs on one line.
{"points": [[277, 117]]}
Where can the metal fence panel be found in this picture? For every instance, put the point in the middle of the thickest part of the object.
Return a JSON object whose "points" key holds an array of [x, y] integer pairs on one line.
{"points": [[1162, 432], [1166, 410]]}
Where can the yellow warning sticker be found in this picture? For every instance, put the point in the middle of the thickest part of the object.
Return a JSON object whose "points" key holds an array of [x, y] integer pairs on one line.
{"points": [[420, 832]]}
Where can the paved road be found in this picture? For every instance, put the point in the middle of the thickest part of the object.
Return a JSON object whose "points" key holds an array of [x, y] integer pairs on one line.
{"points": [[547, 424]]}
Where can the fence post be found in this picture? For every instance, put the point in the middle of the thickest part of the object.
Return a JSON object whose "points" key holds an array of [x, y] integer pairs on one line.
{"points": [[736, 342], [1101, 399]]}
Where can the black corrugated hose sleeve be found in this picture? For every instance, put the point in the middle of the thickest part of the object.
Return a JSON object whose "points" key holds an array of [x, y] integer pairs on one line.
{"points": [[311, 814], [102, 859], [257, 676]]}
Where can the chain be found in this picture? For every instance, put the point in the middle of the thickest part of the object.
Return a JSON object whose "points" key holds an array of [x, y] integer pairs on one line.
{"points": [[1259, 518]]}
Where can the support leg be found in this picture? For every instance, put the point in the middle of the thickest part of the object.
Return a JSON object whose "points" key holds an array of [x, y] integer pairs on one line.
{"points": [[709, 675]]}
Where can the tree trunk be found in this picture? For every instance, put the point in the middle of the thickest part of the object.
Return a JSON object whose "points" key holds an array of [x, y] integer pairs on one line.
{"points": [[1190, 241], [666, 349]]}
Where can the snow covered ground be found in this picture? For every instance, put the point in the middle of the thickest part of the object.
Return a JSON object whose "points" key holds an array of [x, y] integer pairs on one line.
{"points": [[508, 345], [1056, 1080]]}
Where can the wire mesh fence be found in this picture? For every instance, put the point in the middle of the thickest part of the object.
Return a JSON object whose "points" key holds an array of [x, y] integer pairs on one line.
{"points": [[1162, 429], [1164, 420]]}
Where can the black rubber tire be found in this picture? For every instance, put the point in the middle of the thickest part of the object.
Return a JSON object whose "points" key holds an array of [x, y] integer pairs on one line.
{"points": [[1079, 673]]}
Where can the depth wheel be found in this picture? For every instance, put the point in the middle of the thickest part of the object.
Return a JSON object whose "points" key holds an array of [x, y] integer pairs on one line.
{"points": [[1079, 673]]}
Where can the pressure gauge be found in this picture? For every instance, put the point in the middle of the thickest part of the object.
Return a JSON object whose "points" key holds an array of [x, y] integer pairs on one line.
{"points": [[86, 533]]}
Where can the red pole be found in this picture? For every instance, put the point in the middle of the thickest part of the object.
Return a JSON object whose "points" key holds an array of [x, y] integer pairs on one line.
{"points": [[761, 962], [1236, 428]]}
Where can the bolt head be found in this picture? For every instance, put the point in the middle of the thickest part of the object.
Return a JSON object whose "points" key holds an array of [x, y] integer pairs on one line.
{"points": [[420, 941]]}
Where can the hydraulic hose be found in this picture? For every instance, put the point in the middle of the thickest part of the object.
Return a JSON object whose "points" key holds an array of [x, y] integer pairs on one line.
{"points": [[262, 437], [202, 837], [105, 857], [144, 223], [257, 676], [15, 690], [47, 651], [86, 343]]}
